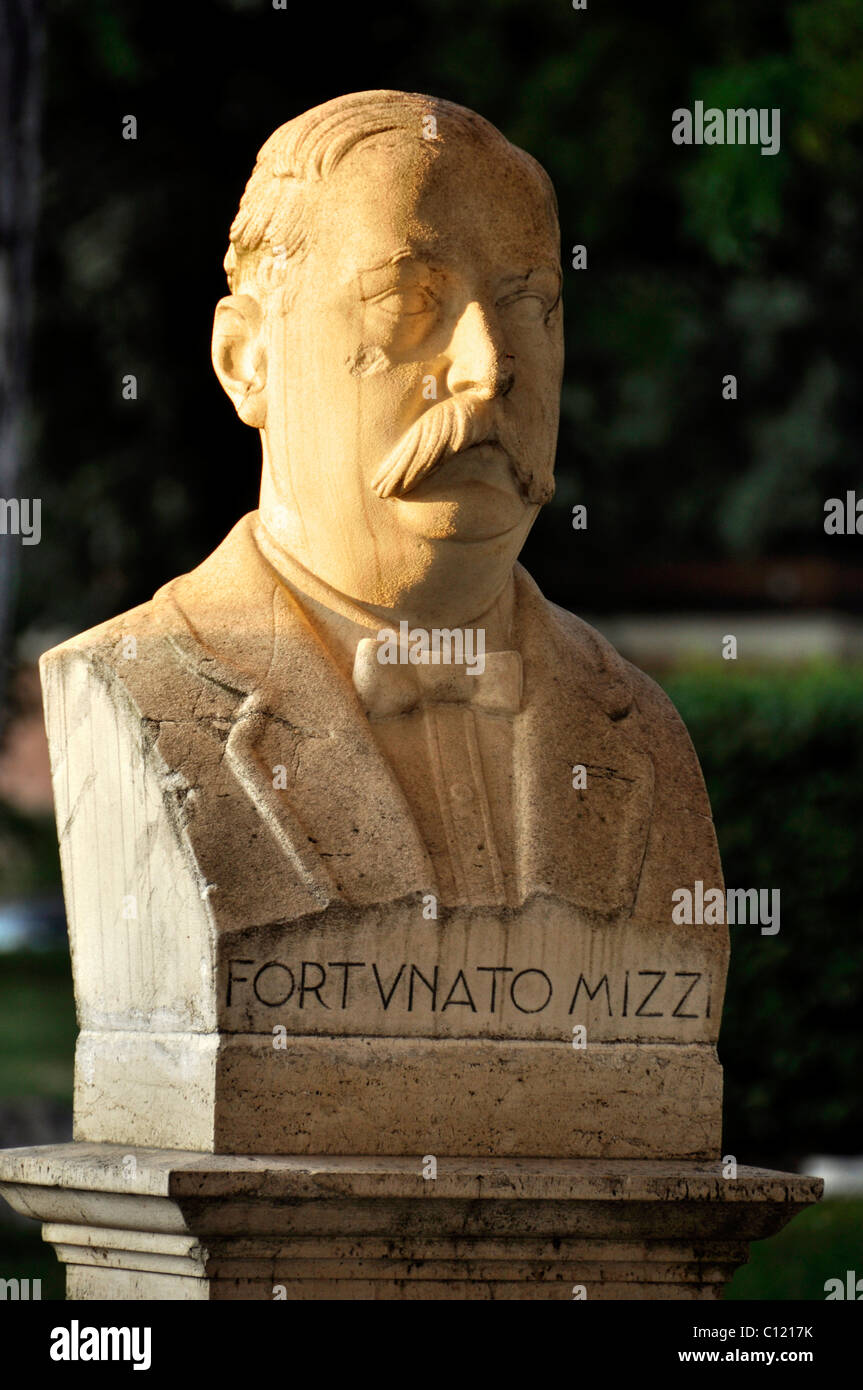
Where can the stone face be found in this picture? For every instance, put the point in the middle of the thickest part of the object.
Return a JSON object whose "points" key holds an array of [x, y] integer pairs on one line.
{"points": [[325, 895], [145, 1224]]}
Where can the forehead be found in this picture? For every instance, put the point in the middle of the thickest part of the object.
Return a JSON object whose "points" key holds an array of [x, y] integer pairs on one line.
{"points": [[468, 205]]}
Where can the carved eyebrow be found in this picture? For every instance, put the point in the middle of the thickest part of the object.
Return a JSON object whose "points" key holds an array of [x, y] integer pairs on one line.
{"points": [[512, 283], [408, 267], [402, 254]]}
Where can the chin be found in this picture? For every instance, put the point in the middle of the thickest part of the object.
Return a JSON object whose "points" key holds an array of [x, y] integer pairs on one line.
{"points": [[472, 512]]}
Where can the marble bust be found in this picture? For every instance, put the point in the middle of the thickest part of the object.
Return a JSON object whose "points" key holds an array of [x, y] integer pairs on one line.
{"points": [[326, 895]]}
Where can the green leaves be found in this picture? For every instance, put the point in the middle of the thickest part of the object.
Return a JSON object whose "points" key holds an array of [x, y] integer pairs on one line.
{"points": [[782, 754]]}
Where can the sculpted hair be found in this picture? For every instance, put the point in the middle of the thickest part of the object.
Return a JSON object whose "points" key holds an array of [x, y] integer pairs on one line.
{"points": [[273, 225]]}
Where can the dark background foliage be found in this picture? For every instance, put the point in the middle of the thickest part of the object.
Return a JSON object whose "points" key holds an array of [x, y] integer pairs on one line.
{"points": [[783, 762]]}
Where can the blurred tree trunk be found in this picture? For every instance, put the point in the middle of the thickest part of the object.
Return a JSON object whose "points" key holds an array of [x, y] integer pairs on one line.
{"points": [[20, 63]]}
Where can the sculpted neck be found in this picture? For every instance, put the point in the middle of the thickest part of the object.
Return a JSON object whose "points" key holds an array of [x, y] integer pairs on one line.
{"points": [[398, 577]]}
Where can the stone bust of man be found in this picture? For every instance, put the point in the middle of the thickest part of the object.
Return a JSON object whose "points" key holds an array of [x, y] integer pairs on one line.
{"points": [[270, 807]]}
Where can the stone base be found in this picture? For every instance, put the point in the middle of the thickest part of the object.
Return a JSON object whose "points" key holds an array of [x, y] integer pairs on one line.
{"points": [[235, 1093], [136, 1223]]}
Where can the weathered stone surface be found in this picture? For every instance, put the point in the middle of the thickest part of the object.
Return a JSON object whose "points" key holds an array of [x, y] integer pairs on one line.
{"points": [[181, 943], [385, 1095], [140, 1223]]}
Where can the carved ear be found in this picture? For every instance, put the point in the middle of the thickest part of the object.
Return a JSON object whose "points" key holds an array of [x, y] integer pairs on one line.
{"points": [[239, 357]]}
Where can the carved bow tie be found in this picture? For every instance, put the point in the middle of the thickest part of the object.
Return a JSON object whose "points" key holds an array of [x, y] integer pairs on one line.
{"points": [[387, 690]]}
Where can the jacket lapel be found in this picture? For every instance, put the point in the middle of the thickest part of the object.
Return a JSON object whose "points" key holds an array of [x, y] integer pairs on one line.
{"points": [[584, 846], [300, 744], [304, 752]]}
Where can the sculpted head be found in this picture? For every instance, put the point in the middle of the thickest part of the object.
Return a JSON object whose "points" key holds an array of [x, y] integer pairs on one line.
{"points": [[394, 330]]}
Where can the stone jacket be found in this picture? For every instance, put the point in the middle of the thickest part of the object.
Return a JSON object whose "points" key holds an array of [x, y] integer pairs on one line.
{"points": [[185, 705]]}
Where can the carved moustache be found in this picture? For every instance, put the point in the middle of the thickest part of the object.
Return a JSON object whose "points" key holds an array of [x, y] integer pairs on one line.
{"points": [[447, 428]]}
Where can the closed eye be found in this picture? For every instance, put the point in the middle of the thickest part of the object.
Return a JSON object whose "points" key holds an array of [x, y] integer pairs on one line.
{"points": [[540, 285], [522, 294], [527, 307], [405, 303]]}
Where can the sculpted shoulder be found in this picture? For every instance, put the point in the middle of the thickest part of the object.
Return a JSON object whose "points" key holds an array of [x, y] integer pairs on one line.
{"points": [[215, 620], [642, 706], [102, 640], [114, 655]]}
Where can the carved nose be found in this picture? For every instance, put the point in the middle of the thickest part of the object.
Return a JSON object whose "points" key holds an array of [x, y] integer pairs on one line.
{"points": [[477, 360]]}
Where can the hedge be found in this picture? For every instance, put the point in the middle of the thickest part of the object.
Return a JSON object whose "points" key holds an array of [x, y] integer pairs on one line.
{"points": [[782, 754]]}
